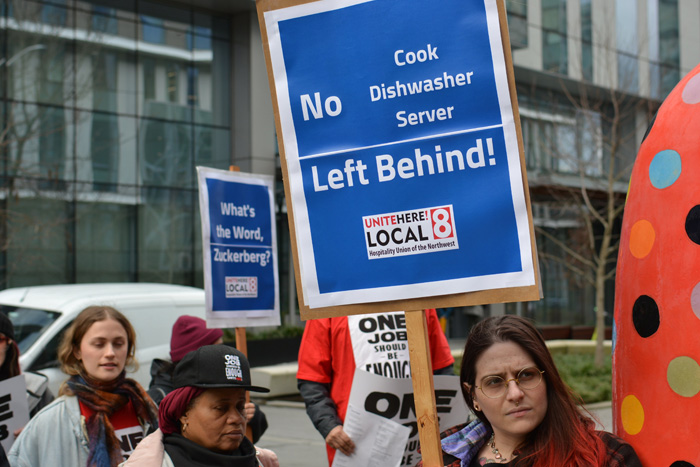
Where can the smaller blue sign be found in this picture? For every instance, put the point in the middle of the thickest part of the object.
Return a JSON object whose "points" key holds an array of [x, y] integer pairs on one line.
{"points": [[239, 243]]}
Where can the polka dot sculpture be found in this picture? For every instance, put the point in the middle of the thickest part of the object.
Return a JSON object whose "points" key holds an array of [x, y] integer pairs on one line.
{"points": [[656, 337]]}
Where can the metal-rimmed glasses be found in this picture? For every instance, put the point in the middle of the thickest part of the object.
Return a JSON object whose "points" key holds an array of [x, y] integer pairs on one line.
{"points": [[495, 386]]}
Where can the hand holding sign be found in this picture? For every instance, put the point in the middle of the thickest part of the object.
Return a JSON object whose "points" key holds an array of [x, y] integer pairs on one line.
{"points": [[338, 439]]}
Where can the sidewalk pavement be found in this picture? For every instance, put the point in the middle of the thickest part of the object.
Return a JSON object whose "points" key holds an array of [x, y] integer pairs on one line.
{"points": [[297, 443]]}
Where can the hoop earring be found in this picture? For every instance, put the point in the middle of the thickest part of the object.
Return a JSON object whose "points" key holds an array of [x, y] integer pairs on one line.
{"points": [[476, 407]]}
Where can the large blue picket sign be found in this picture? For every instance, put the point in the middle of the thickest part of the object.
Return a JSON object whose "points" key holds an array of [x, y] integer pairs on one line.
{"points": [[400, 143]]}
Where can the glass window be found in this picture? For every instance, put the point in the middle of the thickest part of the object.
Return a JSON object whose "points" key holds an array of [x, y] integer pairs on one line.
{"points": [[148, 65], [163, 24], [199, 38], [104, 139], [565, 156], [590, 141], [166, 153], [556, 142], [586, 40], [164, 89], [105, 242], [172, 17], [669, 46], [124, 9], [554, 47], [106, 157], [627, 48], [39, 64], [568, 296], [653, 35], [212, 94], [198, 261], [40, 145], [107, 61], [152, 30], [172, 73], [3, 57], [212, 147], [627, 147], [52, 13], [48, 358], [37, 241], [517, 22], [104, 20], [218, 25], [29, 323], [166, 226], [53, 147], [38, 70]]}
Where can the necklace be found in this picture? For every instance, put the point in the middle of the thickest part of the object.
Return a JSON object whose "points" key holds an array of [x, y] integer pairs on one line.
{"points": [[492, 444]]}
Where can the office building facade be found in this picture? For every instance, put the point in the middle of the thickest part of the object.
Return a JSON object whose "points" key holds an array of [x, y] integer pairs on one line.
{"points": [[107, 107]]}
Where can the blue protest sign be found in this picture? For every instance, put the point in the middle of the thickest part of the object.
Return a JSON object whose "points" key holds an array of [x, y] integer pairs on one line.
{"points": [[401, 149], [239, 242]]}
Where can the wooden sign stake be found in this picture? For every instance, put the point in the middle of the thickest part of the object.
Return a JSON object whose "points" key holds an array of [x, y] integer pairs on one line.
{"points": [[423, 388], [241, 342]]}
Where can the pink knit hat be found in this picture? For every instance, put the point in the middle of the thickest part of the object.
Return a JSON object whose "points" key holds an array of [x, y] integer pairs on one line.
{"points": [[190, 333]]}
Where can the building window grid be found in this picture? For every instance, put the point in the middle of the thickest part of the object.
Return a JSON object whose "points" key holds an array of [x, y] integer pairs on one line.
{"points": [[105, 21]]}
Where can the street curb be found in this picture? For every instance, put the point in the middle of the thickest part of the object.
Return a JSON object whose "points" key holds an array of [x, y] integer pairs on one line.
{"points": [[288, 404]]}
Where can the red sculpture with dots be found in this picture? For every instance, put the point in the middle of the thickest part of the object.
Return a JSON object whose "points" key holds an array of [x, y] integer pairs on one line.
{"points": [[656, 342]]}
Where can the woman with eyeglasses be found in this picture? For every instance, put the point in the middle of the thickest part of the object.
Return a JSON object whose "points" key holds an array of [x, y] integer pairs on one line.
{"points": [[526, 415]]}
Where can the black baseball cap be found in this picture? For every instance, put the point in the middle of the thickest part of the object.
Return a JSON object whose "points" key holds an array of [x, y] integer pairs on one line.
{"points": [[215, 366]]}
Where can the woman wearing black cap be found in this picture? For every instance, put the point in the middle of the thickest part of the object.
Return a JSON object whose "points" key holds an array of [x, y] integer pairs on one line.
{"points": [[190, 333], [202, 421]]}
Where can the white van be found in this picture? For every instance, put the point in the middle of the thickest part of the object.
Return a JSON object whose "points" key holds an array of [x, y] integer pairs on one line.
{"points": [[40, 314]]}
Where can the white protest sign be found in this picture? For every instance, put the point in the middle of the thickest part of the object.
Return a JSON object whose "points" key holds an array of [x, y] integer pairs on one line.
{"points": [[393, 399], [14, 410], [378, 441]]}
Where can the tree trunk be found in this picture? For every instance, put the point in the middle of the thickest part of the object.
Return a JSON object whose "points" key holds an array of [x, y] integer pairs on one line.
{"points": [[600, 317]]}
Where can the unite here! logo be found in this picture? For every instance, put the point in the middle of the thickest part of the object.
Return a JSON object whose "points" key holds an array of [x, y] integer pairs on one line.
{"points": [[241, 287], [233, 367], [410, 232]]}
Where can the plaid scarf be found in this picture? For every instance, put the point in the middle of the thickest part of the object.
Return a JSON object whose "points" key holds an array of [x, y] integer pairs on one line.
{"points": [[104, 399]]}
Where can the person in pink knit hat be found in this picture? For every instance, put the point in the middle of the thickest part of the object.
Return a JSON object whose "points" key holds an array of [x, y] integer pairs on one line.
{"points": [[189, 334]]}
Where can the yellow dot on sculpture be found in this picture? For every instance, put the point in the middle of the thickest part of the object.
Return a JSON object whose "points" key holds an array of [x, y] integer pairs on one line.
{"points": [[632, 414], [683, 375], [642, 238]]}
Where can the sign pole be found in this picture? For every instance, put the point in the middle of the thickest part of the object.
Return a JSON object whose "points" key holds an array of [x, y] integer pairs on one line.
{"points": [[423, 388], [241, 342]]}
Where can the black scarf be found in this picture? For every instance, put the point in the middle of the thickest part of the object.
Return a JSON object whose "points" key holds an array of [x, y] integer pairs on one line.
{"points": [[186, 453]]}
